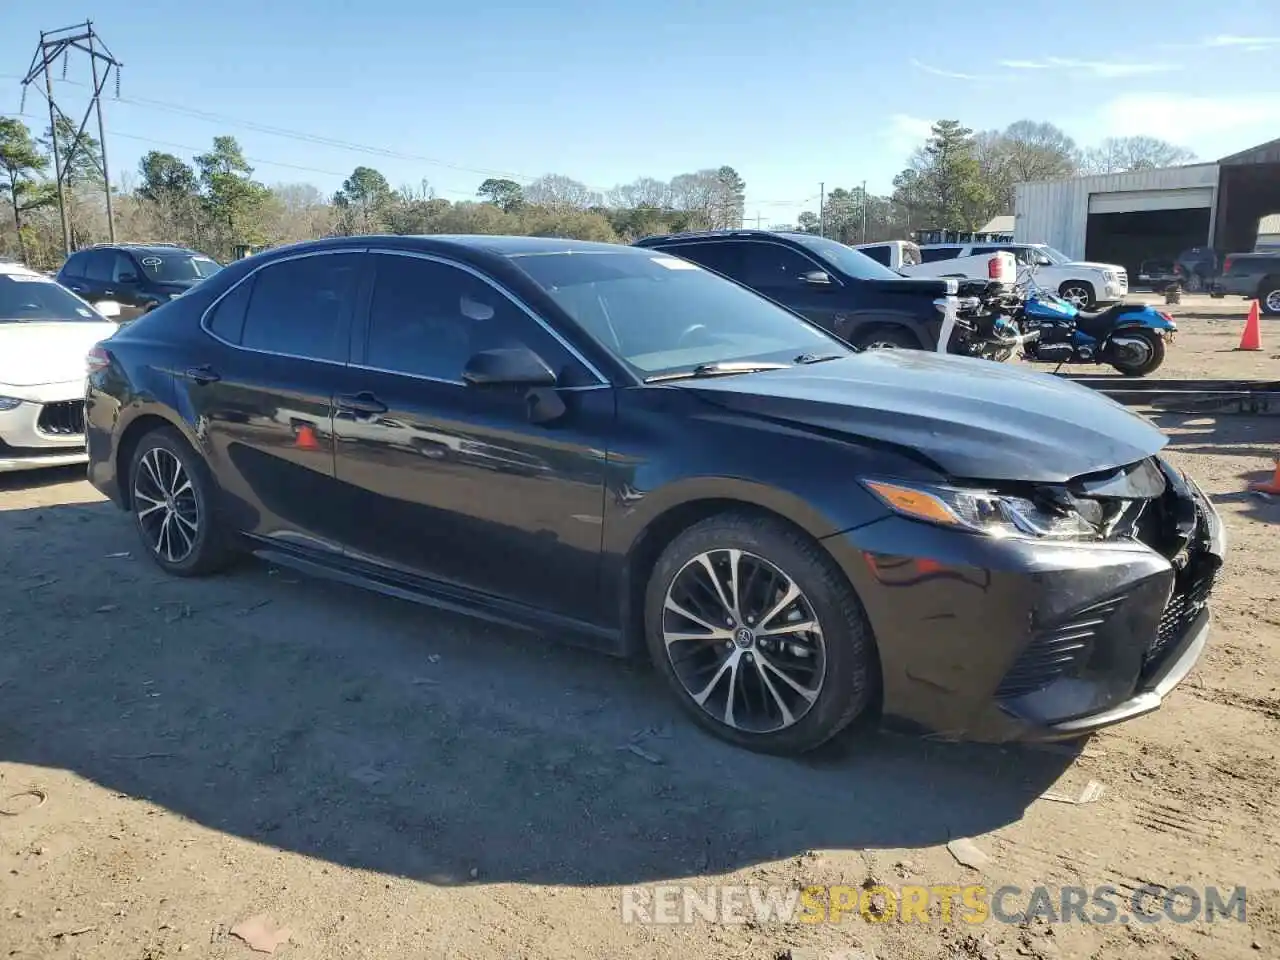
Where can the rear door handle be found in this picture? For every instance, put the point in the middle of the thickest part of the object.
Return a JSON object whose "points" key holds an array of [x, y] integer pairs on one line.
{"points": [[203, 374], [363, 404]]}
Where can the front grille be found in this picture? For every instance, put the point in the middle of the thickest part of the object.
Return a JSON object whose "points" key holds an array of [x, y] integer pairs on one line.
{"points": [[1055, 651], [1192, 586], [64, 418]]}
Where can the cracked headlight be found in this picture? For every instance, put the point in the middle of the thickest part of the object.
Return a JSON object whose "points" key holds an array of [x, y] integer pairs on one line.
{"points": [[983, 511]]}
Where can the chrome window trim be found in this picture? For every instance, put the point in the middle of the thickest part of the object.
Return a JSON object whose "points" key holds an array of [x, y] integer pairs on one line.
{"points": [[457, 383], [603, 381], [204, 317]]}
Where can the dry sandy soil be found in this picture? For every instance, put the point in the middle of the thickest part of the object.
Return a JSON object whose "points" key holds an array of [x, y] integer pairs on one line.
{"points": [[388, 781]]}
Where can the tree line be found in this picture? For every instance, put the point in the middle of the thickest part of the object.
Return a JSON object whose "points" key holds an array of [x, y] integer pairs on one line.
{"points": [[957, 179]]}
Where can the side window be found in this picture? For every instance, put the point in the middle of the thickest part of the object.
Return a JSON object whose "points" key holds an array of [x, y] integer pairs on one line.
{"points": [[428, 318], [773, 265], [934, 254], [227, 319], [74, 267], [301, 307], [978, 251], [122, 268], [720, 257], [878, 254], [100, 266]]}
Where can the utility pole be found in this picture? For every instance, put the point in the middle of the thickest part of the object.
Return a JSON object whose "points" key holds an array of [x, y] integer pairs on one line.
{"points": [[864, 211], [59, 43], [822, 209]]}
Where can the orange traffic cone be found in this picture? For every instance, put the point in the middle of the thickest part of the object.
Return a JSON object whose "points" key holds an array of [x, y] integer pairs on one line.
{"points": [[1251, 339], [1271, 486], [305, 438]]}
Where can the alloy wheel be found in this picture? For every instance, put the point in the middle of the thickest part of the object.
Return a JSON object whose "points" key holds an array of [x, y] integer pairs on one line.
{"points": [[1078, 297], [744, 641], [166, 505], [1272, 302]]}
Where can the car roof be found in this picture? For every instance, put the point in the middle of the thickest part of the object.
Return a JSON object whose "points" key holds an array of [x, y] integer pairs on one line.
{"points": [[470, 246], [695, 235], [151, 250]]}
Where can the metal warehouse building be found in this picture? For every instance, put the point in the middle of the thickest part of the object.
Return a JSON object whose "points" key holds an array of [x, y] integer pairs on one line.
{"points": [[1126, 218]]}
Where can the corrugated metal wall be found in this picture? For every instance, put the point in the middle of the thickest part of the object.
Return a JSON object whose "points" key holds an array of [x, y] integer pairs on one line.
{"points": [[1056, 212]]}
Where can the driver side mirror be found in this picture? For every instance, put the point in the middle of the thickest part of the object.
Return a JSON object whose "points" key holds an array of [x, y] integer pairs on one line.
{"points": [[108, 308], [816, 278], [511, 366], [1043, 262]]}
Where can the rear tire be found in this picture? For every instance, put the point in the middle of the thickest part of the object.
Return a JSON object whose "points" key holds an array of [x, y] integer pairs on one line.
{"points": [[738, 640], [1155, 343], [173, 500]]}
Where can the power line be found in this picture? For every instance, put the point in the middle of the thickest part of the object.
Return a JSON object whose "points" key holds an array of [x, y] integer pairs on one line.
{"points": [[320, 140]]}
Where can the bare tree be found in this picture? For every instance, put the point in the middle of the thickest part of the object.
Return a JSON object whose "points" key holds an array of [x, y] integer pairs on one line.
{"points": [[1122, 154]]}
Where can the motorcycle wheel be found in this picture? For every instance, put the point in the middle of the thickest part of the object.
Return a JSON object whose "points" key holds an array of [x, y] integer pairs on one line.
{"points": [[1153, 359]]}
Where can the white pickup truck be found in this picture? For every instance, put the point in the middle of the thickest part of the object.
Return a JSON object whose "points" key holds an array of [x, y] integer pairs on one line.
{"points": [[1086, 285], [909, 260]]}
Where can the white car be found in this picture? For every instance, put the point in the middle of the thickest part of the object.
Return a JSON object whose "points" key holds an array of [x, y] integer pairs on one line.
{"points": [[1083, 284], [45, 333], [906, 258]]}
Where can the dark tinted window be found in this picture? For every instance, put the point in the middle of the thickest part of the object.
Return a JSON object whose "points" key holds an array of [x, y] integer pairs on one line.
{"points": [[100, 266], [75, 265], [428, 318], [227, 319], [772, 265], [123, 268], [26, 298], [721, 257], [976, 251], [301, 307], [934, 254], [878, 254]]}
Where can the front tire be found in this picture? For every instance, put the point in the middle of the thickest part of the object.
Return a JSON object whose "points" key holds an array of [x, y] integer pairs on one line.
{"points": [[886, 338], [172, 501], [1079, 293], [1269, 297], [759, 635], [1154, 357]]}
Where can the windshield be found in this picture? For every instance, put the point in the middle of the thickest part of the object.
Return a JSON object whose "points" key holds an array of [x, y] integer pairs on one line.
{"points": [[1056, 256], [27, 299], [171, 268], [661, 314], [845, 259]]}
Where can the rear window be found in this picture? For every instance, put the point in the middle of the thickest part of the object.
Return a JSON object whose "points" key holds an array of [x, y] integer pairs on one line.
{"points": [[878, 254], [934, 254]]}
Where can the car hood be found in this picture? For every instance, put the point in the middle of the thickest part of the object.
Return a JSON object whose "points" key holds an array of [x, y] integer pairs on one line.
{"points": [[1089, 265], [973, 419], [34, 353]]}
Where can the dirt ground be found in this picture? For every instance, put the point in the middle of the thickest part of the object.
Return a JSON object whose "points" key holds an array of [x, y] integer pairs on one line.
{"points": [[388, 781]]}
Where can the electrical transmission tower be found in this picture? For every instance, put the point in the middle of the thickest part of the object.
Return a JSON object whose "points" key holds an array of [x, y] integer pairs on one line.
{"points": [[56, 44]]}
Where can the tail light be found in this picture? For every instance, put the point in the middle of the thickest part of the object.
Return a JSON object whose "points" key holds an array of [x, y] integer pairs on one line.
{"points": [[1226, 265], [97, 359], [995, 269]]}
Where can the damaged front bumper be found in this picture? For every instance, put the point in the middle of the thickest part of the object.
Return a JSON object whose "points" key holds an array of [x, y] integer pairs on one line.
{"points": [[1027, 640]]}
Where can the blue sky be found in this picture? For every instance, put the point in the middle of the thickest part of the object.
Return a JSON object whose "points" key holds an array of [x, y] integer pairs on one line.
{"points": [[790, 94]]}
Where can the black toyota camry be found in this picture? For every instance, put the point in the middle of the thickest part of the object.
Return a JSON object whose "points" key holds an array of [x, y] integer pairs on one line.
{"points": [[611, 444]]}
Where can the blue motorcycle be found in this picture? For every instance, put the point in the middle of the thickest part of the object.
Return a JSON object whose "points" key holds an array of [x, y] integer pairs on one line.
{"points": [[1129, 336]]}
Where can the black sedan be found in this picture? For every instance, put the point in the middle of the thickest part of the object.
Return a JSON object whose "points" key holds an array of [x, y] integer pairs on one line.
{"points": [[613, 445]]}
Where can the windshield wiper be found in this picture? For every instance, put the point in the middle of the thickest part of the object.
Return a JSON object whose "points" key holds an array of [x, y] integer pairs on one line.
{"points": [[811, 358], [717, 370]]}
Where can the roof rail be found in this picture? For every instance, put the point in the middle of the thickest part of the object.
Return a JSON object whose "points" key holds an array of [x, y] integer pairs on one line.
{"points": [[136, 243]]}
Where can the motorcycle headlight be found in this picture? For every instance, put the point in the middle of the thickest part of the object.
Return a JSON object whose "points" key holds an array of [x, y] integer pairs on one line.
{"points": [[984, 511], [8, 403]]}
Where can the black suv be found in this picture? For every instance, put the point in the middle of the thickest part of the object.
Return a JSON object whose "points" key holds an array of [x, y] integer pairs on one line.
{"points": [[846, 292], [138, 276]]}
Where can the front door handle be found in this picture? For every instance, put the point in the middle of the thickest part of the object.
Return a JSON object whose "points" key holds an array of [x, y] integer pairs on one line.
{"points": [[363, 404], [203, 374], [109, 293]]}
